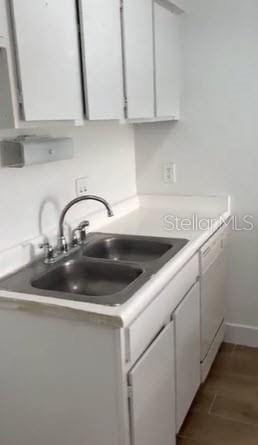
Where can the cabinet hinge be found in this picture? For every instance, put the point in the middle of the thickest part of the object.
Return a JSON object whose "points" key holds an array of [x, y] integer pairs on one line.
{"points": [[130, 392]]}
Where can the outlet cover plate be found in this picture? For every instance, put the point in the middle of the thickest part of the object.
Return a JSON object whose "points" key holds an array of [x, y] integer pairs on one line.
{"points": [[81, 186], [169, 172]]}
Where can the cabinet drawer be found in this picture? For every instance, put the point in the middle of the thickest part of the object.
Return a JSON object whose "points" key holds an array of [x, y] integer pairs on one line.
{"points": [[144, 329]]}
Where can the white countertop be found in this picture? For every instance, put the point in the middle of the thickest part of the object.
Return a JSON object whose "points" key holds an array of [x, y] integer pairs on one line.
{"points": [[142, 215]]}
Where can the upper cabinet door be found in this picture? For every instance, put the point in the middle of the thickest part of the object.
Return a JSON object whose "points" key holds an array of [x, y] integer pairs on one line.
{"points": [[138, 58], [48, 59], [3, 19], [167, 60], [102, 58]]}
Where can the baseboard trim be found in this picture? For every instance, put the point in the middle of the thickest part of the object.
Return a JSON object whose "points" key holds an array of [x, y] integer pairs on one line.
{"points": [[242, 335]]}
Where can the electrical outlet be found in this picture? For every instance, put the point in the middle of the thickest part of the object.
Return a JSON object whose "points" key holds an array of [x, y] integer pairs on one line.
{"points": [[169, 172], [81, 186]]}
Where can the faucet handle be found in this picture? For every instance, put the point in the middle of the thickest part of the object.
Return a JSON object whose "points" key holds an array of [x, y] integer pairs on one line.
{"points": [[82, 228], [75, 238], [49, 252], [84, 224]]}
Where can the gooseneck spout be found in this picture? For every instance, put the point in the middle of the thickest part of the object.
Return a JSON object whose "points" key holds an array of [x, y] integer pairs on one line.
{"points": [[70, 205]]}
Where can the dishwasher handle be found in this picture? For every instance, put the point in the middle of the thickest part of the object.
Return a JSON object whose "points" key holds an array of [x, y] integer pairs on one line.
{"points": [[206, 251], [212, 249]]}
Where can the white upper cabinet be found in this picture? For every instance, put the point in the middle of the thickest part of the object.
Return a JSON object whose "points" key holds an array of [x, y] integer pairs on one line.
{"points": [[167, 60], [138, 58], [102, 58], [48, 59], [128, 52]]}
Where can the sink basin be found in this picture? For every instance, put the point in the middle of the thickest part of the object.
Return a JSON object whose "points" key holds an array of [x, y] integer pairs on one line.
{"points": [[152, 252], [127, 249], [88, 278], [108, 269]]}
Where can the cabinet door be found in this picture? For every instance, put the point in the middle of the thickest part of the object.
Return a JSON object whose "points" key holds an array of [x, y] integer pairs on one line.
{"points": [[6, 109], [167, 60], [187, 340], [102, 58], [3, 23], [152, 401], [138, 58], [48, 59]]}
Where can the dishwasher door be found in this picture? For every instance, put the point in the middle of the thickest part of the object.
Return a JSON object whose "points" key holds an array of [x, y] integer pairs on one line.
{"points": [[213, 262]]}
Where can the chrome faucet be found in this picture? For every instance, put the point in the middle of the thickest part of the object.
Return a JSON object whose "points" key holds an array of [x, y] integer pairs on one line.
{"points": [[63, 245]]}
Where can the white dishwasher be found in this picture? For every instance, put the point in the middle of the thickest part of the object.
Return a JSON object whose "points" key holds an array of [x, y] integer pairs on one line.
{"points": [[213, 269]]}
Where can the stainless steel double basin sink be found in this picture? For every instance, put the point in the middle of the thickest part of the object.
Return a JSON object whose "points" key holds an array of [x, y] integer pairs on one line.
{"points": [[107, 269]]}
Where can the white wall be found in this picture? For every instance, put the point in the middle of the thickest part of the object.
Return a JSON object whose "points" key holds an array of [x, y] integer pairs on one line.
{"points": [[31, 198], [215, 146]]}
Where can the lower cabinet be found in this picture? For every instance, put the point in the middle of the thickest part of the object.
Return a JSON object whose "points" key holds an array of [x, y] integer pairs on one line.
{"points": [[187, 352], [152, 393]]}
